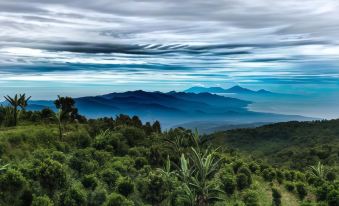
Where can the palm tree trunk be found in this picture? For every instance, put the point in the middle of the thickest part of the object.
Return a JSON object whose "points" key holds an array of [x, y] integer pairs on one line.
{"points": [[60, 131], [15, 116]]}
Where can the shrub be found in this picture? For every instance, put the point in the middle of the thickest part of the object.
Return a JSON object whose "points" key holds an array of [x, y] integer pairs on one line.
{"points": [[247, 172], [254, 167], [97, 197], [74, 196], [229, 183], [125, 186], [268, 174], [280, 176], [42, 201], [115, 199], [289, 186], [250, 198], [333, 198], [12, 181], [110, 176], [12, 184], [322, 192], [140, 162], [90, 181], [330, 176], [52, 175], [134, 136], [242, 181], [301, 190], [154, 188], [276, 197], [236, 165]]}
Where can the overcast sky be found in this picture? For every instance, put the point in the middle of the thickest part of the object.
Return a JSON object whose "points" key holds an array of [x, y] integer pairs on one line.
{"points": [[86, 47]]}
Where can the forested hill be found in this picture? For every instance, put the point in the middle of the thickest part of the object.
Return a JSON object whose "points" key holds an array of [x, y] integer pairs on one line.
{"points": [[293, 144]]}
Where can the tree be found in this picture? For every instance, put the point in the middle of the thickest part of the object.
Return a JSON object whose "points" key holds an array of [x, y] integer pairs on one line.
{"points": [[47, 115], [67, 106], [58, 116], [15, 102], [156, 127]]}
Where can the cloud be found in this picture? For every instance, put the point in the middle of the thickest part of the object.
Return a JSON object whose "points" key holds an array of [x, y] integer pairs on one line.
{"points": [[172, 41]]}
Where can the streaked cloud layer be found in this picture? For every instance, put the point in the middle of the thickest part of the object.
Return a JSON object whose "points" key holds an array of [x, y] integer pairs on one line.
{"points": [[107, 45]]}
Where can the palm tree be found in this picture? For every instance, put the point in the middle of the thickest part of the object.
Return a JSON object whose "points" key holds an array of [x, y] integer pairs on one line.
{"points": [[196, 172], [318, 170], [17, 101]]}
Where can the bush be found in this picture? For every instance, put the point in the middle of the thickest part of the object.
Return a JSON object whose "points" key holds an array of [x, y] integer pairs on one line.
{"points": [[250, 198], [289, 186], [140, 162], [276, 197], [97, 197], [74, 196], [110, 176], [254, 167], [242, 181], [301, 190], [115, 199], [268, 174], [82, 161], [90, 181], [229, 183], [52, 175], [12, 181], [134, 136], [247, 172], [333, 198], [330, 176], [12, 184], [322, 192], [154, 188], [125, 186], [42, 201]]}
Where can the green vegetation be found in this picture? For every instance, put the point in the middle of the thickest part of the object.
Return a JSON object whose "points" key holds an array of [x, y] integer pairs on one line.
{"points": [[64, 159]]}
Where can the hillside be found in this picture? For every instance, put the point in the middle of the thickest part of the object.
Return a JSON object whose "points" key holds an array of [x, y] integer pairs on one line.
{"points": [[126, 166], [292, 144]]}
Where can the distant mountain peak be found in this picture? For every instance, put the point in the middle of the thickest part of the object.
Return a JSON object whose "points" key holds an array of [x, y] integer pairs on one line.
{"points": [[239, 89], [235, 89], [264, 91]]}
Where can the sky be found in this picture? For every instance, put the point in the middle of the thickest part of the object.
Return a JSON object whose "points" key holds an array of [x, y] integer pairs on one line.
{"points": [[85, 47]]}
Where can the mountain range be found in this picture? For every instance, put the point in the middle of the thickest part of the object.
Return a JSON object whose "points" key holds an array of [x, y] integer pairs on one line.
{"points": [[232, 90], [173, 108]]}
